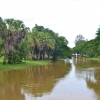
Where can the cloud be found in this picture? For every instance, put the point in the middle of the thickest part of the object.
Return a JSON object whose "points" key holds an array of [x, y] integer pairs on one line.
{"points": [[68, 17]]}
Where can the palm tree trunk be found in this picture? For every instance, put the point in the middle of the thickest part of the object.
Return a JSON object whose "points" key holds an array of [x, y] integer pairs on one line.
{"points": [[39, 55], [5, 50], [42, 56], [48, 56], [4, 58]]}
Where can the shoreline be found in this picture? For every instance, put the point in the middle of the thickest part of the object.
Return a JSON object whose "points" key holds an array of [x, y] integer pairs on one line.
{"points": [[24, 64], [98, 59]]}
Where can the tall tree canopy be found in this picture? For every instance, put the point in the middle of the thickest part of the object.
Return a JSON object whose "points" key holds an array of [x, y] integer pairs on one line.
{"points": [[18, 42]]}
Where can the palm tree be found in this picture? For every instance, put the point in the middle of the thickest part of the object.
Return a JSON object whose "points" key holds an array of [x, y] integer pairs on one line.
{"points": [[16, 31], [41, 42]]}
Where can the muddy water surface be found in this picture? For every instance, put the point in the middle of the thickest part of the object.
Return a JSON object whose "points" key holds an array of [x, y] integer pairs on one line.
{"points": [[75, 79]]}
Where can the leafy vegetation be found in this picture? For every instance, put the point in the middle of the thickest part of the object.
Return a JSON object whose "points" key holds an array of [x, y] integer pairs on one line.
{"points": [[18, 42], [89, 48]]}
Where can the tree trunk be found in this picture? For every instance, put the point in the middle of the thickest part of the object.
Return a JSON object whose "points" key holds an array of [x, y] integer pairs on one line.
{"points": [[4, 57], [42, 56], [48, 56], [5, 51], [39, 55]]}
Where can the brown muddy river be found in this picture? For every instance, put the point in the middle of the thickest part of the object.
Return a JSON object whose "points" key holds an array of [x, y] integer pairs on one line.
{"points": [[76, 79]]}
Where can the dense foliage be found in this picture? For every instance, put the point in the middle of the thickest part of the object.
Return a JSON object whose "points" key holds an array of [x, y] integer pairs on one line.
{"points": [[89, 48], [18, 42]]}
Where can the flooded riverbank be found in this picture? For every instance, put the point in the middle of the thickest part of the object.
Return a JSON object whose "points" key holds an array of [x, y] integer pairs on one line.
{"points": [[75, 79]]}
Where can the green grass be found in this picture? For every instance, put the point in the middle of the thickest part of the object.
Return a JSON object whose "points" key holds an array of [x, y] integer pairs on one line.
{"points": [[23, 64], [94, 58]]}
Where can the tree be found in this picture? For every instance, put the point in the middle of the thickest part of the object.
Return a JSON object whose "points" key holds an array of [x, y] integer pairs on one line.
{"points": [[90, 48], [15, 32], [61, 49], [79, 39], [17, 42], [41, 42]]}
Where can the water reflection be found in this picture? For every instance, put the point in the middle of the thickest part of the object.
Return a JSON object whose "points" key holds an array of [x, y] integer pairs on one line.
{"points": [[76, 79], [89, 70], [31, 82]]}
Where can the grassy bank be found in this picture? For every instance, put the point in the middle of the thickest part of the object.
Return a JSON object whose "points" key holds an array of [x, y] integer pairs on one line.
{"points": [[23, 64], [94, 59]]}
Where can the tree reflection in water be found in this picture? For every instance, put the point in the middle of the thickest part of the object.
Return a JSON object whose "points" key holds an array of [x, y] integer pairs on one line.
{"points": [[90, 71], [35, 81]]}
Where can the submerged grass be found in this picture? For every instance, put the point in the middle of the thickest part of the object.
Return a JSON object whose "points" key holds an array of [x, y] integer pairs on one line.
{"points": [[23, 64]]}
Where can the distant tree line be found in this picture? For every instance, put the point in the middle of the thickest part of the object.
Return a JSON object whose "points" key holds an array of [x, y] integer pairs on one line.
{"points": [[18, 42], [89, 48]]}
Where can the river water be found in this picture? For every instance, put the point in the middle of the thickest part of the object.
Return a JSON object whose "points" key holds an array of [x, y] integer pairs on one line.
{"points": [[75, 79]]}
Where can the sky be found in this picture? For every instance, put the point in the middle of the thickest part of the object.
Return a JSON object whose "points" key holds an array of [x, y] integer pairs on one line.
{"points": [[68, 18]]}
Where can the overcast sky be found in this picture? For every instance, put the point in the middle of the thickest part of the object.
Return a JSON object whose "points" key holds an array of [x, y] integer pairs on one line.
{"points": [[69, 18]]}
